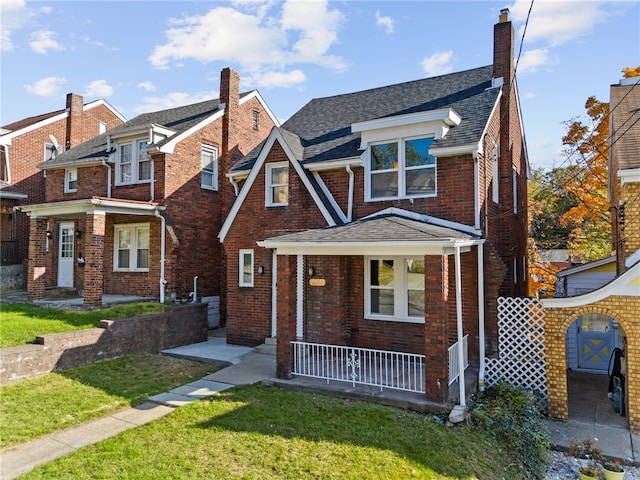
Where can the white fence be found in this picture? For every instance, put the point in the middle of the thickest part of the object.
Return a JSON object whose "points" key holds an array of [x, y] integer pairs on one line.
{"points": [[380, 368], [522, 360], [454, 367]]}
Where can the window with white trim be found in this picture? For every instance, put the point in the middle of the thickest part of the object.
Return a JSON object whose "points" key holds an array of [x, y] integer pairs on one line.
{"points": [[515, 190], [133, 164], [246, 268], [394, 289], [70, 180], [495, 156], [131, 248], [277, 184], [49, 151], [209, 165], [401, 169]]}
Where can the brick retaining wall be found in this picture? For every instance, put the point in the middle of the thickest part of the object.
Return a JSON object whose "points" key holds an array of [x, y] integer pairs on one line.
{"points": [[182, 325]]}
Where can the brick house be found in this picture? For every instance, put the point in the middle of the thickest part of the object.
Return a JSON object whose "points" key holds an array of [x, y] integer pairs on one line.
{"points": [[592, 322], [27, 143], [136, 210], [389, 220]]}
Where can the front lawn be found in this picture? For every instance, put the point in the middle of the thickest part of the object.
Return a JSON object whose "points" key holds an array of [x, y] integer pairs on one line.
{"points": [[42, 405], [20, 323], [258, 432]]}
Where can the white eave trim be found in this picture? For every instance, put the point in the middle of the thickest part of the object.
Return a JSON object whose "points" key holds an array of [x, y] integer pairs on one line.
{"points": [[586, 266], [89, 205], [468, 149], [256, 94], [334, 164], [630, 175], [626, 285], [448, 116], [74, 163], [427, 219], [171, 144], [12, 195], [6, 139]]}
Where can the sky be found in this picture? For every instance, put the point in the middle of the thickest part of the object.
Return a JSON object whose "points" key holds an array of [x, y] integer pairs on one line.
{"points": [[143, 56]]}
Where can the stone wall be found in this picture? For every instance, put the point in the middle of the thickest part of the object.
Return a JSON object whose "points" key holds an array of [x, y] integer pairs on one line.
{"points": [[12, 277], [177, 326]]}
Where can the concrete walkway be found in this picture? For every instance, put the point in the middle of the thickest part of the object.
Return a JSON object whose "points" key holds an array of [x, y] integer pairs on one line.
{"points": [[246, 366]]}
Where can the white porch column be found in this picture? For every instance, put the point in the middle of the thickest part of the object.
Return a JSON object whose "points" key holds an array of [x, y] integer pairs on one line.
{"points": [[300, 298], [274, 294], [481, 332], [461, 383]]}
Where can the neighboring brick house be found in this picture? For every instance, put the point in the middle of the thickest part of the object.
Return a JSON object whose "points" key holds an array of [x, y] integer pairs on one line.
{"points": [[136, 210], [27, 143], [389, 219], [596, 320]]}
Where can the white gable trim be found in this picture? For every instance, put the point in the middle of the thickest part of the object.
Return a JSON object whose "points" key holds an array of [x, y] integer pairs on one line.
{"points": [[256, 94], [171, 144], [625, 285], [332, 200], [631, 175], [97, 103], [426, 218], [255, 171], [6, 139]]}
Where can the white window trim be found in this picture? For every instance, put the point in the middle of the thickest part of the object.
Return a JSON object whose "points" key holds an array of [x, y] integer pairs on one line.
{"points": [[213, 172], [242, 254], [400, 291], [515, 190], [269, 201], [401, 170], [495, 156], [67, 188], [133, 251], [135, 162]]}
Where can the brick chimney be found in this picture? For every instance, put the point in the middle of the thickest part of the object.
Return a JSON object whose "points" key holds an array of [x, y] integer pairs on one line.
{"points": [[503, 45], [230, 154], [74, 121]]}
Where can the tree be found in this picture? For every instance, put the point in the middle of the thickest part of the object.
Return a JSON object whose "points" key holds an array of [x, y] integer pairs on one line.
{"points": [[587, 156]]}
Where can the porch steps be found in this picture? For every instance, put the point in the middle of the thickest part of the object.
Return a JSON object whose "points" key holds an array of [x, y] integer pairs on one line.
{"points": [[268, 347]]}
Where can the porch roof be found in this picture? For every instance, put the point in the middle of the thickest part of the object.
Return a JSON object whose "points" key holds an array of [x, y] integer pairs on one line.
{"points": [[388, 234], [100, 205]]}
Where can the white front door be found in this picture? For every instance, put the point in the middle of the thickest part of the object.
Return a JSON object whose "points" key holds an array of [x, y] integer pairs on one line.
{"points": [[65, 255]]}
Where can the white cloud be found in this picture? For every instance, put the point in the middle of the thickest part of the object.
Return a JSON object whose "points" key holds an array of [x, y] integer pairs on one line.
{"points": [[99, 89], [263, 38], [386, 22], [45, 87], [437, 64], [14, 15], [532, 60], [277, 79], [148, 86], [174, 99], [43, 41], [555, 22]]}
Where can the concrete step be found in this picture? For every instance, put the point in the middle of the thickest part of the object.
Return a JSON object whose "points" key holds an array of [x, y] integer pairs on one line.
{"points": [[266, 349]]}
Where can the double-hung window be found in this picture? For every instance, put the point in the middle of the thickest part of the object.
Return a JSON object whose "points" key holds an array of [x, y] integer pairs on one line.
{"points": [[70, 180], [131, 248], [401, 169], [209, 165], [133, 164], [246, 268], [277, 184], [395, 289]]}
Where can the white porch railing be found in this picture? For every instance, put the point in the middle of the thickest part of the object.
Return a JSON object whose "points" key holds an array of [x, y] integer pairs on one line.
{"points": [[454, 364], [379, 368]]}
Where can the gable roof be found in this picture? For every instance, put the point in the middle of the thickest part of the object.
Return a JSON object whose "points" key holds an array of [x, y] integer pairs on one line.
{"points": [[321, 130], [625, 113]]}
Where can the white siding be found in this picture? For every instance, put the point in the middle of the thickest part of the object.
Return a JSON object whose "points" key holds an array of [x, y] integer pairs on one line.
{"points": [[584, 282]]}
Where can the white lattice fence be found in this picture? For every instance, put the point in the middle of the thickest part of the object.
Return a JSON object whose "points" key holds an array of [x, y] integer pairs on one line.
{"points": [[522, 360]]}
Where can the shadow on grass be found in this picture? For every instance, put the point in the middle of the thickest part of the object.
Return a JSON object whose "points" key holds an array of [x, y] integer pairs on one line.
{"points": [[458, 453]]}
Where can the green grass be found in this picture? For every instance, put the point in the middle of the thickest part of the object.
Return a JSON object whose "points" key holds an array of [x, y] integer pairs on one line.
{"points": [[37, 406], [20, 323], [256, 432]]}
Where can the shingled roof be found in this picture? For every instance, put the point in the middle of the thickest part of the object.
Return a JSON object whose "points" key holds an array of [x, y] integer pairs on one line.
{"points": [[178, 119], [321, 130]]}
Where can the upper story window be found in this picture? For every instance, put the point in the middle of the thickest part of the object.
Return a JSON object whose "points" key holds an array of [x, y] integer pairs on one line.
{"points": [[209, 165], [70, 180], [515, 189], [495, 156], [401, 169], [133, 164], [49, 151], [4, 166], [256, 120], [277, 184], [131, 248], [102, 127], [395, 289]]}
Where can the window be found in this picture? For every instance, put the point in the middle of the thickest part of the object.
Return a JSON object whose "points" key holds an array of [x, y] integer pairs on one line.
{"points": [[102, 127], [70, 180], [209, 162], [402, 169], [277, 184], [246, 268], [395, 289], [515, 191], [133, 164], [131, 248], [49, 151], [256, 120], [494, 164]]}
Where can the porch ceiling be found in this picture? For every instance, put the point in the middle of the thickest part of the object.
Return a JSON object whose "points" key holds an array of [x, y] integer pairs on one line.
{"points": [[388, 234], [99, 205]]}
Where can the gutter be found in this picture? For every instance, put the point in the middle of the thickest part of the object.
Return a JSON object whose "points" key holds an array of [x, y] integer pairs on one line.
{"points": [[163, 281]]}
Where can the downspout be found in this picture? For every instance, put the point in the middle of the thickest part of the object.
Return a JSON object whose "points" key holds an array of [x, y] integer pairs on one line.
{"points": [[481, 332], [106, 164], [461, 384], [153, 180], [234, 182], [163, 282], [350, 200], [476, 189]]}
